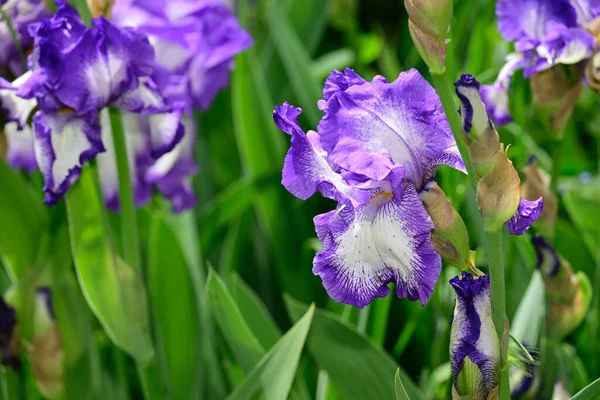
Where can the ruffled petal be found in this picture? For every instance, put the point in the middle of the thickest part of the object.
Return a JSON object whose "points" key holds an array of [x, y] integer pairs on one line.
{"points": [[305, 170], [567, 46], [20, 153], [387, 240], [529, 19], [371, 128], [16, 108], [138, 156], [525, 216], [495, 96], [63, 143], [172, 172], [586, 10], [340, 82], [473, 334]]}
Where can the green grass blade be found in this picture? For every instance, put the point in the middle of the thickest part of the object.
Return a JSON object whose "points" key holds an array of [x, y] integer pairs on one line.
{"points": [[590, 392], [275, 371], [400, 390]]}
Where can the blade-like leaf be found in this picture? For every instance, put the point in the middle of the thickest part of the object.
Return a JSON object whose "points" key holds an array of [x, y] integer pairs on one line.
{"points": [[529, 317], [275, 371], [400, 390], [112, 289], [174, 307], [590, 392], [356, 367], [24, 222]]}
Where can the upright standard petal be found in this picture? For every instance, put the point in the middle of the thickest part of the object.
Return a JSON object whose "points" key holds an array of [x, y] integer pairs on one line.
{"points": [[474, 344], [63, 143], [369, 128], [386, 240]]}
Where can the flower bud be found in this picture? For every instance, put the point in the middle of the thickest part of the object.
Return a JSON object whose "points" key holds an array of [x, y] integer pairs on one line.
{"points": [[554, 92], [9, 342], [568, 294], [481, 136], [536, 185], [428, 24], [592, 72], [498, 193], [450, 237], [474, 345], [100, 7], [47, 351]]}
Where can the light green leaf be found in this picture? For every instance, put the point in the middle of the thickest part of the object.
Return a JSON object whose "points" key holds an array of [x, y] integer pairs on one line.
{"points": [[112, 289], [400, 391], [357, 368], [590, 392], [174, 307], [275, 371], [23, 223], [527, 323]]}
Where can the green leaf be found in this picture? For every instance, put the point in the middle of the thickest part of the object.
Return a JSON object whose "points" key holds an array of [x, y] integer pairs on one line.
{"points": [[590, 392], [24, 222], [255, 313], [275, 371], [527, 323], [244, 345], [174, 307], [356, 367], [112, 289], [296, 62], [582, 204], [400, 390], [308, 18]]}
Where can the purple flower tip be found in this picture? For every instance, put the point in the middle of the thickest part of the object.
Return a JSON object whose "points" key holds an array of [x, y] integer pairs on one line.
{"points": [[467, 80], [468, 287], [547, 257], [532, 159], [527, 213]]}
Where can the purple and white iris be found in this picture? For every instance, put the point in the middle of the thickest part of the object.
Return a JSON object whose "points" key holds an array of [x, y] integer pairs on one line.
{"points": [[195, 42], [377, 146], [21, 13], [474, 343], [546, 33]]}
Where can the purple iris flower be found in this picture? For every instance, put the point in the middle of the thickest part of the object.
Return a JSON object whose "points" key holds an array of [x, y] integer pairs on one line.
{"points": [[474, 343], [21, 13], [195, 42], [546, 33], [77, 73], [377, 146]]}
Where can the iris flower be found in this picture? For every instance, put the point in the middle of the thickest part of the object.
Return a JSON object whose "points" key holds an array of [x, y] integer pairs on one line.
{"points": [[76, 73], [474, 344], [378, 145], [546, 33]]}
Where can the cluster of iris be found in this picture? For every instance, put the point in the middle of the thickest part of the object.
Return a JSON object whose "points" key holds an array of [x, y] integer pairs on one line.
{"points": [[154, 61]]}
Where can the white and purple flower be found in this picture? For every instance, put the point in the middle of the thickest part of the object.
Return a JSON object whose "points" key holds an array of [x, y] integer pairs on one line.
{"points": [[474, 344], [377, 146], [21, 13], [546, 33], [195, 42], [76, 74]]}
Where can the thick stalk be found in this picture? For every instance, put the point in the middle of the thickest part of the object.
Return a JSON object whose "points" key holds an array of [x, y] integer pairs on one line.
{"points": [[129, 231], [556, 158], [493, 239]]}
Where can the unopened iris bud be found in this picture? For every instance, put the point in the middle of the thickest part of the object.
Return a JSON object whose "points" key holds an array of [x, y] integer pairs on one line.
{"points": [[100, 7], [592, 72], [569, 295], [429, 23], [536, 185], [474, 345], [555, 93], [9, 343], [450, 237], [47, 350], [481, 136]]}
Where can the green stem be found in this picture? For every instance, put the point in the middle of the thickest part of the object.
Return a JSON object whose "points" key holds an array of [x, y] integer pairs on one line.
{"points": [[493, 239], [15, 39], [556, 160], [150, 379], [442, 85], [129, 231]]}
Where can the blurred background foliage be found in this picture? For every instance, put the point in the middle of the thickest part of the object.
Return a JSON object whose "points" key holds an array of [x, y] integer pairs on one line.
{"points": [[214, 332]]}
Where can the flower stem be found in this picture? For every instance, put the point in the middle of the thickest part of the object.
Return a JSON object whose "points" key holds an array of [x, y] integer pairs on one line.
{"points": [[556, 159], [129, 231], [493, 239], [15, 38]]}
